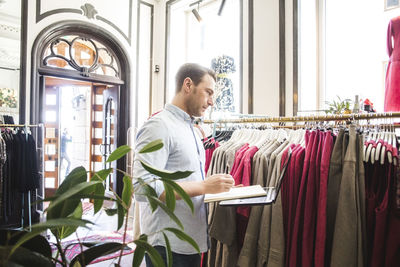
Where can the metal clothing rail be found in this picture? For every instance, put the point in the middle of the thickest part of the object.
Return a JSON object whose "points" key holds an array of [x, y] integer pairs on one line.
{"points": [[20, 125], [344, 117]]}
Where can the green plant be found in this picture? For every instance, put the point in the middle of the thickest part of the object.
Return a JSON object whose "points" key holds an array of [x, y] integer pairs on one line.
{"points": [[338, 106], [64, 216]]}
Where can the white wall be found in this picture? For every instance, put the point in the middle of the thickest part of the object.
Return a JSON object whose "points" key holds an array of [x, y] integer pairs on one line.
{"points": [[117, 13], [266, 58]]}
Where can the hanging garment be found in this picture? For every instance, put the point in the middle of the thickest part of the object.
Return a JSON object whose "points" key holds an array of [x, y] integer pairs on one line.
{"points": [[334, 181], [320, 238], [392, 82], [347, 246], [295, 243], [248, 254]]}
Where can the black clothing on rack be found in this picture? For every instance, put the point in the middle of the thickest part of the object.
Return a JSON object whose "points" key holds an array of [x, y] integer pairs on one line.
{"points": [[19, 176]]}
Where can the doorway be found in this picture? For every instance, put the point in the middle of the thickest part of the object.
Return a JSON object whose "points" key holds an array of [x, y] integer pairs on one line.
{"points": [[80, 120], [82, 52]]}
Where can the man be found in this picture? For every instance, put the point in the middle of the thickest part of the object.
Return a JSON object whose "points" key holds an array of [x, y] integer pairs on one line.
{"points": [[63, 150], [182, 150]]}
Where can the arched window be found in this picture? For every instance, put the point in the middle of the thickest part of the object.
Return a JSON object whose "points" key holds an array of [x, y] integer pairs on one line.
{"points": [[82, 54]]}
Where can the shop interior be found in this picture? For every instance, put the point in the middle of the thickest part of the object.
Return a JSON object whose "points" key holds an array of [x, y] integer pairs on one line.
{"points": [[78, 80]]}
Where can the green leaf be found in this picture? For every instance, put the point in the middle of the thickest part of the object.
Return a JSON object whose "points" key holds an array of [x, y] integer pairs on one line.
{"points": [[53, 224], [94, 252], [152, 146], [26, 257], [119, 153], [152, 202], [111, 212], [185, 197], [155, 257], [67, 231], [184, 237], [166, 210], [99, 189], [62, 209], [138, 256], [98, 203], [169, 197], [121, 215], [102, 174], [76, 176], [168, 250], [127, 191], [37, 244], [150, 190], [166, 174]]}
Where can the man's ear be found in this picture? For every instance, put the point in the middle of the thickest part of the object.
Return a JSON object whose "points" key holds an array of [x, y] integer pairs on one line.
{"points": [[187, 83]]}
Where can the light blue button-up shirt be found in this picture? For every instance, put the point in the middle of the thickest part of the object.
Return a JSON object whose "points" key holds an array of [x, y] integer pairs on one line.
{"points": [[183, 151]]}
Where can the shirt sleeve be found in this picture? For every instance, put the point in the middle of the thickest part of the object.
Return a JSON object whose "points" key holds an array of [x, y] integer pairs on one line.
{"points": [[152, 130]]}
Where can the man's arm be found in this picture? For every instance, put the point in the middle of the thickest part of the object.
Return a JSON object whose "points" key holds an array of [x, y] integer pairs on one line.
{"points": [[216, 183]]}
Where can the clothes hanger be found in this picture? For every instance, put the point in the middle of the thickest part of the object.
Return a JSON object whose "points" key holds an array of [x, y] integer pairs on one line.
{"points": [[370, 145], [383, 147]]}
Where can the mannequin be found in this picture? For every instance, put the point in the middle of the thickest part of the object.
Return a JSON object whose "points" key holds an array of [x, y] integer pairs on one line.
{"points": [[392, 83]]}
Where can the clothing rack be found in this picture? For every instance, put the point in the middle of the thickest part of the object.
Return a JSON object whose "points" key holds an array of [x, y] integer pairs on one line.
{"points": [[343, 117], [29, 193]]}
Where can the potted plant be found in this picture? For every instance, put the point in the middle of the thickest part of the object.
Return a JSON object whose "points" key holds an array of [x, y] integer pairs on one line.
{"points": [[338, 106], [64, 216]]}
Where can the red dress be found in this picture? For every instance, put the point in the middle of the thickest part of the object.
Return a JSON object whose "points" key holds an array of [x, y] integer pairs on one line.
{"points": [[392, 83]]}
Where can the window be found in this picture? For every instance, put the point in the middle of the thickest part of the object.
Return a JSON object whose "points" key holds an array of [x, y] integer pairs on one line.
{"points": [[210, 40], [342, 51], [75, 52]]}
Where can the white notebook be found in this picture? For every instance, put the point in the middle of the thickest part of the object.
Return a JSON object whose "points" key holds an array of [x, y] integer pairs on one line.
{"points": [[237, 192]]}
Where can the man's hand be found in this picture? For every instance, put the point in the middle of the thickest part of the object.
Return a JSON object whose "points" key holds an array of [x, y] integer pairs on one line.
{"points": [[218, 183]]}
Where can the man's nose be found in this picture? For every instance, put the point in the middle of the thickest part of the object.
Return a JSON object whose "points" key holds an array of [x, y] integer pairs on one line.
{"points": [[210, 101]]}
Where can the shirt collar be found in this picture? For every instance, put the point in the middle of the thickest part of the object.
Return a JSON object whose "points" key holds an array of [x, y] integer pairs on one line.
{"points": [[178, 112]]}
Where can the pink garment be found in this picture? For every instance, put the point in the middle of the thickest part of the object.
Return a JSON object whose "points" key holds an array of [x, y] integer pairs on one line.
{"points": [[246, 175], [238, 157], [242, 175], [292, 184], [295, 243], [320, 237], [286, 180], [310, 204], [392, 82], [209, 153]]}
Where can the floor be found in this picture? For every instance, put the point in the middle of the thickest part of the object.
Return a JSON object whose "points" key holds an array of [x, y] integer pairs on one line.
{"points": [[104, 224]]}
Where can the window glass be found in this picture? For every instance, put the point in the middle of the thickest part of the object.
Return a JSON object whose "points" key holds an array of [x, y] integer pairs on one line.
{"points": [[356, 50], [210, 40], [74, 52], [342, 52]]}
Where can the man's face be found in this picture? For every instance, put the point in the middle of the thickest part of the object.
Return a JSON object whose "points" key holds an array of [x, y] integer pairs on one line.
{"points": [[201, 96]]}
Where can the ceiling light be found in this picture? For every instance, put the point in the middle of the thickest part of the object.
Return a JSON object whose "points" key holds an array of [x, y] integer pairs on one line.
{"points": [[197, 15], [196, 11], [221, 7]]}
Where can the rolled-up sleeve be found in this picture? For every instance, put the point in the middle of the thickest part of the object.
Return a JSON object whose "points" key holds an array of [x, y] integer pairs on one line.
{"points": [[152, 130]]}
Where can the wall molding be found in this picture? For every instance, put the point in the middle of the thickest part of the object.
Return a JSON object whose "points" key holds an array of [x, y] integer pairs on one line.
{"points": [[140, 2], [88, 11]]}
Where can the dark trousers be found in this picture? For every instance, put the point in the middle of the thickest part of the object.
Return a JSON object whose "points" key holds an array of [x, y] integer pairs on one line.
{"points": [[178, 260]]}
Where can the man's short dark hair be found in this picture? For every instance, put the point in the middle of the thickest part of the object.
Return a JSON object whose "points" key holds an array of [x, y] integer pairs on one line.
{"points": [[194, 71]]}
